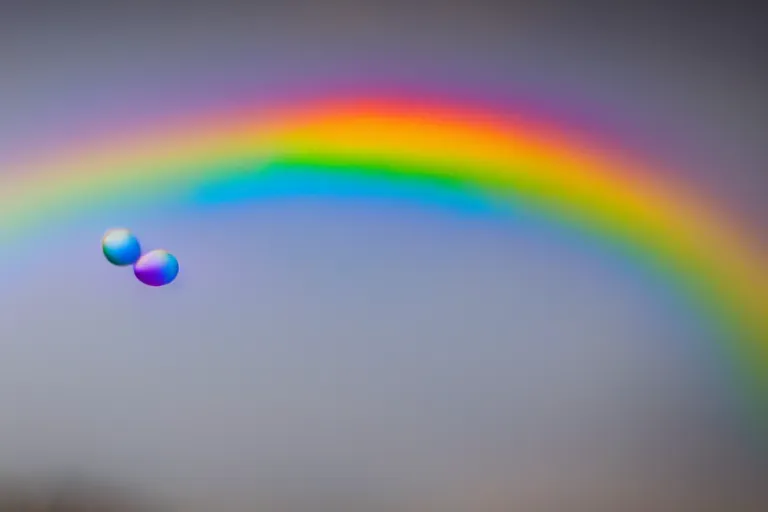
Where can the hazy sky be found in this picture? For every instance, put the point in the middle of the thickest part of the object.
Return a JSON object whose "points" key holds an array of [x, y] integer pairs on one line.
{"points": [[320, 350]]}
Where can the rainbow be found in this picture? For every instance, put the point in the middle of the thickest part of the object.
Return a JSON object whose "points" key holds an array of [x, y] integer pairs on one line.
{"points": [[505, 161]]}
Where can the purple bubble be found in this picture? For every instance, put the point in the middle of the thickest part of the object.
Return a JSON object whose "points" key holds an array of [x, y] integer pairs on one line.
{"points": [[156, 268]]}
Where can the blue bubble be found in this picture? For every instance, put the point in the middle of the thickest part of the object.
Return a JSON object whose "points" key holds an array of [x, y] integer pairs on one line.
{"points": [[121, 247]]}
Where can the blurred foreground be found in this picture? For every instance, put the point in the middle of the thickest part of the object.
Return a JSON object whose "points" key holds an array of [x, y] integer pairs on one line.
{"points": [[31, 495], [576, 495]]}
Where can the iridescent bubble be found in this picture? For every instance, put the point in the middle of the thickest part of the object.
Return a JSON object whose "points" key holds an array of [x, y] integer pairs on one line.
{"points": [[120, 247], [156, 268]]}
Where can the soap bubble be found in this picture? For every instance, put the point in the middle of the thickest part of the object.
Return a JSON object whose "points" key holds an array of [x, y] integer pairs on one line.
{"points": [[156, 268], [120, 247]]}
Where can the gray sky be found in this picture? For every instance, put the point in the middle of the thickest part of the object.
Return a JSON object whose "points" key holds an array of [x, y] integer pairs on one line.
{"points": [[391, 356]]}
